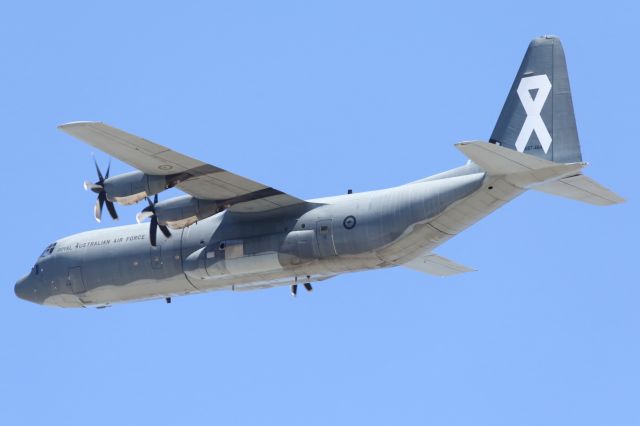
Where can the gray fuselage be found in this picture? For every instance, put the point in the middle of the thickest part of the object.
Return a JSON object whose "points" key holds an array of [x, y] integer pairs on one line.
{"points": [[246, 251]]}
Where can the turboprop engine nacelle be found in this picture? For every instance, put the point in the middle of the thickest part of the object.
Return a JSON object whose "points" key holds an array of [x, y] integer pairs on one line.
{"points": [[129, 188], [180, 212]]}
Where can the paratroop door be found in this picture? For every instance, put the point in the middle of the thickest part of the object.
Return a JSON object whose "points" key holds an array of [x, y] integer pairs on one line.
{"points": [[324, 236]]}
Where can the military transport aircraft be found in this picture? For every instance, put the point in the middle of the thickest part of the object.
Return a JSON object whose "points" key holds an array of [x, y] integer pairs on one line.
{"points": [[231, 233]]}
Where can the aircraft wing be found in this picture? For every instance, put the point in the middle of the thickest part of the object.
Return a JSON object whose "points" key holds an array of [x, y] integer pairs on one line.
{"points": [[432, 264], [201, 180]]}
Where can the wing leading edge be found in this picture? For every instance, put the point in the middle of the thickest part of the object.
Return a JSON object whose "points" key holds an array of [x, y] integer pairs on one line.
{"points": [[201, 180]]}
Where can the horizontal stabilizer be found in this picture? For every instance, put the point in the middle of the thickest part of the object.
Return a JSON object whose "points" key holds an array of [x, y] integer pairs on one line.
{"points": [[527, 171], [581, 188], [433, 264], [521, 169]]}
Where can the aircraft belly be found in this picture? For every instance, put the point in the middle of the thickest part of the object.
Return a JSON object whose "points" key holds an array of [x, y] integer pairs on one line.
{"points": [[63, 301], [317, 270], [267, 270], [137, 290], [471, 209]]}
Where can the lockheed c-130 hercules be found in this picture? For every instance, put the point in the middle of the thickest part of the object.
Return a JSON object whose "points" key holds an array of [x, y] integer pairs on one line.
{"points": [[231, 233]]}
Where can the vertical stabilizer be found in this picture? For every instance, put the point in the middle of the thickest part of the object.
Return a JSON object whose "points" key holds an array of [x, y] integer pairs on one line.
{"points": [[537, 118]]}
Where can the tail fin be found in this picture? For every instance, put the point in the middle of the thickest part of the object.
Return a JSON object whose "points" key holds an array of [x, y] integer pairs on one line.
{"points": [[537, 120], [537, 117]]}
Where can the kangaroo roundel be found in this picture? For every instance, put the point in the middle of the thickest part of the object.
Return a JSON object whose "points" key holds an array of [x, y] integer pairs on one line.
{"points": [[533, 93]]}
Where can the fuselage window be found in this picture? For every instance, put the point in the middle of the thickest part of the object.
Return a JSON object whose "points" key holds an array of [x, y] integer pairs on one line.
{"points": [[48, 250]]}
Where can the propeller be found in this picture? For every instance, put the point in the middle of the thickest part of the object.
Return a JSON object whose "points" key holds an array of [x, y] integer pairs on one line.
{"points": [[150, 211], [98, 188]]}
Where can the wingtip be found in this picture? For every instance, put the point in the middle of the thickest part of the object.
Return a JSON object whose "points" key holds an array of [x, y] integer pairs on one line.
{"points": [[462, 146], [77, 123], [618, 200], [470, 142]]}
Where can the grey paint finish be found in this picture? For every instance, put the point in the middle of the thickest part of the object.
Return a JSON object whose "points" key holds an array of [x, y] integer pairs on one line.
{"points": [[263, 238], [229, 249]]}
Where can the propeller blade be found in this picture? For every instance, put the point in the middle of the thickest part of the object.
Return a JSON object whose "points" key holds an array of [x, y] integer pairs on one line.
{"points": [[145, 213], [101, 199], [111, 209], [98, 170], [150, 211], [140, 217], [97, 211], [153, 230], [165, 230], [98, 188]]}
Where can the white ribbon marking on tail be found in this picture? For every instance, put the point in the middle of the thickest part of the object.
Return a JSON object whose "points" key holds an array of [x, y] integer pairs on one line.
{"points": [[533, 108]]}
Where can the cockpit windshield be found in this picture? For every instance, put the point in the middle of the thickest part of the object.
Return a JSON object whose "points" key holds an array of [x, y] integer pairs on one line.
{"points": [[48, 250]]}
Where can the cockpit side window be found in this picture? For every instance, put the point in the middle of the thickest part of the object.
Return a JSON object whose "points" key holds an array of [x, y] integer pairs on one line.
{"points": [[48, 250]]}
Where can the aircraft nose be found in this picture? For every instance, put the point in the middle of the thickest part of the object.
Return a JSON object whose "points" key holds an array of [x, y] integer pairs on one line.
{"points": [[25, 289]]}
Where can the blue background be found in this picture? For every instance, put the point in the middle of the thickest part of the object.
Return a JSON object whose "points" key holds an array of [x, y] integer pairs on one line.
{"points": [[314, 98]]}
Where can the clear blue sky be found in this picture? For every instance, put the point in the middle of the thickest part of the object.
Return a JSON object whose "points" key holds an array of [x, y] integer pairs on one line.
{"points": [[314, 98]]}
